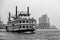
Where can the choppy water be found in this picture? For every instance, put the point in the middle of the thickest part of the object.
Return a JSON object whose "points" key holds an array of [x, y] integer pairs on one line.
{"points": [[39, 35]]}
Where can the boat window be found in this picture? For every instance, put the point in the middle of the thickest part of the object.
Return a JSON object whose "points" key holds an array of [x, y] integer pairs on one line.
{"points": [[27, 21], [23, 26], [23, 21], [26, 26], [20, 21], [31, 26], [32, 21], [20, 26], [12, 24]]}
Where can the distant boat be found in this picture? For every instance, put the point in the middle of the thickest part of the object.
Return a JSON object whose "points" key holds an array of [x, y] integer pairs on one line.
{"points": [[21, 22]]}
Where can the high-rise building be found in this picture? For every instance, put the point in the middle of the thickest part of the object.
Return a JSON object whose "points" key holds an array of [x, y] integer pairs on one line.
{"points": [[44, 22]]}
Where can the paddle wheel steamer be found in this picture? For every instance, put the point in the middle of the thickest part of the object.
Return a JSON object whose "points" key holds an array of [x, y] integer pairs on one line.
{"points": [[21, 22]]}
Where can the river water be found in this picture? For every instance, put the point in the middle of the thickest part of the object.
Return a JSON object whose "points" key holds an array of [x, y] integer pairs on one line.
{"points": [[39, 35]]}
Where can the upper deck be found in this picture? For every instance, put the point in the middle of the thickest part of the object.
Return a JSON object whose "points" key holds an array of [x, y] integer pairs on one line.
{"points": [[23, 18]]}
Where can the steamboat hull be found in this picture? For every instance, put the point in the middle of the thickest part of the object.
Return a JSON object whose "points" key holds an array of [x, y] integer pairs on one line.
{"points": [[21, 30]]}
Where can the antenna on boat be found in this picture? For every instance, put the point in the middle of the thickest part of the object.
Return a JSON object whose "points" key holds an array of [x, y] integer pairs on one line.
{"points": [[16, 11]]}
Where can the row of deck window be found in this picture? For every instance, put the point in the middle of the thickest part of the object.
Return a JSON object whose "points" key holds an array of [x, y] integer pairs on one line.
{"points": [[25, 21], [26, 26], [21, 21]]}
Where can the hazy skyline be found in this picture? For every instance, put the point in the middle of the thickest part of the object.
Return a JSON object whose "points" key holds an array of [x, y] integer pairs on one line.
{"points": [[37, 9]]}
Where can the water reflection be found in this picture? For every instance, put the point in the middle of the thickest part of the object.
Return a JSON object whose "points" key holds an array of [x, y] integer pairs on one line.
{"points": [[46, 35]]}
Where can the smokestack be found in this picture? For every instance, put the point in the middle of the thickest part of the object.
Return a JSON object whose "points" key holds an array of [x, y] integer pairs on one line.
{"points": [[16, 11], [28, 10], [9, 16]]}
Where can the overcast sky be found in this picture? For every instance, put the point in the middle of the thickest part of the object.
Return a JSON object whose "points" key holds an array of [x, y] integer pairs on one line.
{"points": [[37, 9]]}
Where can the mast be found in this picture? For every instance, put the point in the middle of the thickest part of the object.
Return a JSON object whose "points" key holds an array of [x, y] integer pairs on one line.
{"points": [[16, 11]]}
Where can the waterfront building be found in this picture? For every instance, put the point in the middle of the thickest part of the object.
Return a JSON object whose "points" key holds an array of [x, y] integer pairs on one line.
{"points": [[44, 22]]}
